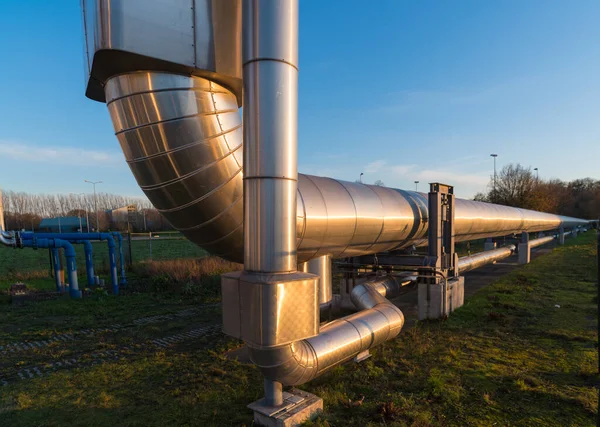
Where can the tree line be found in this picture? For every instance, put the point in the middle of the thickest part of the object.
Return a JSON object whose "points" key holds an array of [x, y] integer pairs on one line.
{"points": [[25, 210], [518, 186]]}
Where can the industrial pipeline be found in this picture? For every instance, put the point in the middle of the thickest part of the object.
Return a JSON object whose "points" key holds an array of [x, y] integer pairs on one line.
{"points": [[172, 76]]}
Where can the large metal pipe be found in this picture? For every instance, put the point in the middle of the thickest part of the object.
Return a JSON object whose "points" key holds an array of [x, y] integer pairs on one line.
{"points": [[180, 130], [182, 139], [338, 341], [270, 77]]}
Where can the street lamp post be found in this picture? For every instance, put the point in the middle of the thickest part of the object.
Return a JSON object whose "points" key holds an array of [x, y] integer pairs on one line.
{"points": [[416, 185], [537, 174], [360, 178], [494, 188], [95, 203]]}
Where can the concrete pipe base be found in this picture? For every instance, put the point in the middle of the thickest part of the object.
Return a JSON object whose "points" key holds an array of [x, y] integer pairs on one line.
{"points": [[298, 406]]}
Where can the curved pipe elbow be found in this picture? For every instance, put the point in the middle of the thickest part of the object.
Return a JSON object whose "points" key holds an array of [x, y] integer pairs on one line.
{"points": [[7, 239], [67, 246], [337, 342]]}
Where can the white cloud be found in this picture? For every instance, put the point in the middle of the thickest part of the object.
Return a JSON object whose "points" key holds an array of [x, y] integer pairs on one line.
{"points": [[60, 155], [375, 166], [452, 173], [402, 169], [452, 178]]}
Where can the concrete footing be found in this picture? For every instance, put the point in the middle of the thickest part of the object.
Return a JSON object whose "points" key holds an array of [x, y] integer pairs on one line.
{"points": [[524, 249], [439, 300], [298, 406], [489, 245], [561, 236], [524, 253]]}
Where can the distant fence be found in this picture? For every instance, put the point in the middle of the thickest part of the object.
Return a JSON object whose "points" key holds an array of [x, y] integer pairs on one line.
{"points": [[136, 247], [159, 246]]}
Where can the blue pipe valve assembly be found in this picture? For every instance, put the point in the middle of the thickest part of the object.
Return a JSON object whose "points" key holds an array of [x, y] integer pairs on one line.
{"points": [[65, 240]]}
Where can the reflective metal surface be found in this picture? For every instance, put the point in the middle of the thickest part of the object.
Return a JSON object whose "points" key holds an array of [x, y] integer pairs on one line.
{"points": [[321, 267], [198, 37], [270, 75], [181, 137], [180, 131], [7, 238], [541, 241], [337, 342], [474, 261], [269, 310]]}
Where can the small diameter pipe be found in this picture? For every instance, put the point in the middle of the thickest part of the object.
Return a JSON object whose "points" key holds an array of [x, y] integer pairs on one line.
{"points": [[74, 291], [472, 262], [273, 393], [108, 237], [89, 261], [539, 242], [123, 280], [57, 269], [112, 260]]}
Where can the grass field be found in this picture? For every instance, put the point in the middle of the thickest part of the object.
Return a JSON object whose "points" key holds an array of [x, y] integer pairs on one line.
{"points": [[31, 263], [510, 356]]}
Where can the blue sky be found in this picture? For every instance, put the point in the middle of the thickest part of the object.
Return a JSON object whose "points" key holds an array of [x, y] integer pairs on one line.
{"points": [[398, 90]]}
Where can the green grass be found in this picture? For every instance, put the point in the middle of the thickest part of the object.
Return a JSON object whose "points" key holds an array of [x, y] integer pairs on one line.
{"points": [[508, 357], [28, 262]]}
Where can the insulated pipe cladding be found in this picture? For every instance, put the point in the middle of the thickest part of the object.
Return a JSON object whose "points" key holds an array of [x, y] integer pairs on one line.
{"points": [[321, 267], [182, 138], [171, 75], [338, 341]]}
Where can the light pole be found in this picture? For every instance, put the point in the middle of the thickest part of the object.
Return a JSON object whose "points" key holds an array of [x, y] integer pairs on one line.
{"points": [[360, 178], [95, 203], [416, 185], [537, 174], [494, 188]]}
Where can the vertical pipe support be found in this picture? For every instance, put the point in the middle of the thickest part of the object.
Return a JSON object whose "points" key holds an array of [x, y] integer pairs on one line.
{"points": [[321, 267], [561, 235], [489, 244], [74, 291], [123, 279], [112, 261], [524, 249], [89, 261], [57, 272], [270, 76]]}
